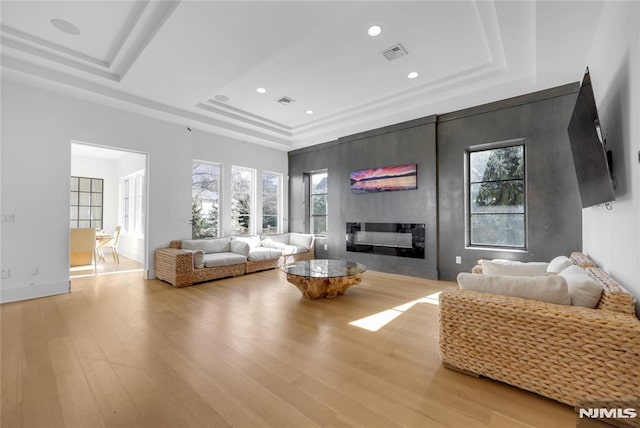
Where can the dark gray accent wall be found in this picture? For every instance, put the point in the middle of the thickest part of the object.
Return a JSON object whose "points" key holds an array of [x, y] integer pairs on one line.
{"points": [[407, 142], [301, 162], [554, 213], [438, 145]]}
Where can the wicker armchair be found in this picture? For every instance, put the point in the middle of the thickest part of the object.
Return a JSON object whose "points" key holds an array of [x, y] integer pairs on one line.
{"points": [[566, 353]]}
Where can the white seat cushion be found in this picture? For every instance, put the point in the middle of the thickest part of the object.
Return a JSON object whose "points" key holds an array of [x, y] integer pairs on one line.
{"points": [[549, 288], [223, 259]]}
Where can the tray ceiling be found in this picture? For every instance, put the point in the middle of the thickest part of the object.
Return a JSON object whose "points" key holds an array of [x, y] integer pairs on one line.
{"points": [[199, 63]]}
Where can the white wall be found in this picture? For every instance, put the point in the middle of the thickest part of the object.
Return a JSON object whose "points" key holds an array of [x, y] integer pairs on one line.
{"points": [[612, 238], [37, 128]]}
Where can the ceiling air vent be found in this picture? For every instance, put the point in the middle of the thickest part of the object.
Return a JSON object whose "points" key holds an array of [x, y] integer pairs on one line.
{"points": [[285, 101], [394, 52]]}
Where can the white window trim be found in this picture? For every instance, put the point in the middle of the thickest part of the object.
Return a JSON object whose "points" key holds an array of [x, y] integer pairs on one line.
{"points": [[253, 195], [280, 201], [137, 196]]}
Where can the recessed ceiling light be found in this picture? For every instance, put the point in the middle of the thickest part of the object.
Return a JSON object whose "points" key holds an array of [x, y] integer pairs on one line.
{"points": [[65, 26], [374, 30], [261, 90], [413, 75], [222, 98], [309, 111]]}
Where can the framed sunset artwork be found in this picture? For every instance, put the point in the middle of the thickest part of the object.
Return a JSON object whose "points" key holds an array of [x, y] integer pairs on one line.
{"points": [[386, 179]]}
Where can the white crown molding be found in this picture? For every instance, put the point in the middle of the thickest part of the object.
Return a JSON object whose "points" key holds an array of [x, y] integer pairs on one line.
{"points": [[240, 124], [139, 28], [25, 72], [243, 116]]}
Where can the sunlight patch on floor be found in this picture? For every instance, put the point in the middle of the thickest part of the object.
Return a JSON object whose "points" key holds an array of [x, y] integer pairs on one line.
{"points": [[376, 321]]}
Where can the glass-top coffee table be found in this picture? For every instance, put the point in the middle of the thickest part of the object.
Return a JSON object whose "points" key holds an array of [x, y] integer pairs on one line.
{"points": [[324, 278]]}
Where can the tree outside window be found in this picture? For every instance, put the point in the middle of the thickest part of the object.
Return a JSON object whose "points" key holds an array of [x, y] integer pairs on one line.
{"points": [[318, 203], [271, 196], [497, 197], [242, 191], [205, 202]]}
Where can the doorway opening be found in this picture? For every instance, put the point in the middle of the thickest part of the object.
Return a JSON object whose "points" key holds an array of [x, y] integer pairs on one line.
{"points": [[109, 195]]}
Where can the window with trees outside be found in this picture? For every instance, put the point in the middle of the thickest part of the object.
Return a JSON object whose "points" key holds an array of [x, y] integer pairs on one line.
{"points": [[242, 200], [132, 204], [205, 200], [86, 202], [496, 204], [271, 201], [318, 203]]}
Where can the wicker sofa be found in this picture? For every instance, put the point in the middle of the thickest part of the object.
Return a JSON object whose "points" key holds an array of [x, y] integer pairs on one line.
{"points": [[188, 262], [567, 353]]}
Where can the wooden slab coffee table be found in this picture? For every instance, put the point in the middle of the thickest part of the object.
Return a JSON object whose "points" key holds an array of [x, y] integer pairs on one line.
{"points": [[324, 278]]}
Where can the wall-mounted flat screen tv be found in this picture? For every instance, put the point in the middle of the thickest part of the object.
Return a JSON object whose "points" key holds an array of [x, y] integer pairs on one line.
{"points": [[591, 159], [389, 178]]}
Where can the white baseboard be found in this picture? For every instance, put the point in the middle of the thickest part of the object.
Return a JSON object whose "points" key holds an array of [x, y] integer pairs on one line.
{"points": [[25, 292]]}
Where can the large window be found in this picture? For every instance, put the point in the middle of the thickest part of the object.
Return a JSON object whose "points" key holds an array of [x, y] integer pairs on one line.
{"points": [[205, 200], [86, 202], [318, 203], [242, 200], [496, 197], [132, 204], [271, 201]]}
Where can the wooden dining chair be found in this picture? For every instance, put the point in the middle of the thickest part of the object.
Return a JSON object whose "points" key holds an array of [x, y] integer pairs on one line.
{"points": [[110, 244], [82, 247]]}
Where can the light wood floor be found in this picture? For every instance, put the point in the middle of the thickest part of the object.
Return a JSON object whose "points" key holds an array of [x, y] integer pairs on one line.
{"points": [[244, 352]]}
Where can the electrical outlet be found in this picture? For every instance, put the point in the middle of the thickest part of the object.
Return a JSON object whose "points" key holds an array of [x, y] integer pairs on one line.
{"points": [[458, 260], [34, 270], [6, 273], [8, 218]]}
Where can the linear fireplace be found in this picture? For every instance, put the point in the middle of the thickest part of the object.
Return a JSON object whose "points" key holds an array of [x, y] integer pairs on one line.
{"points": [[391, 239]]}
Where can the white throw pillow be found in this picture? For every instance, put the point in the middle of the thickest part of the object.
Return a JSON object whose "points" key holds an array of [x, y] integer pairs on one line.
{"points": [[283, 238], [209, 246], [253, 241], [270, 243], [559, 264], [584, 290], [513, 268], [301, 240], [550, 288]]}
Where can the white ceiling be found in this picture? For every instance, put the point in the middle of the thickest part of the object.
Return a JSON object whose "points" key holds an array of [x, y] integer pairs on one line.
{"points": [[174, 59]]}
